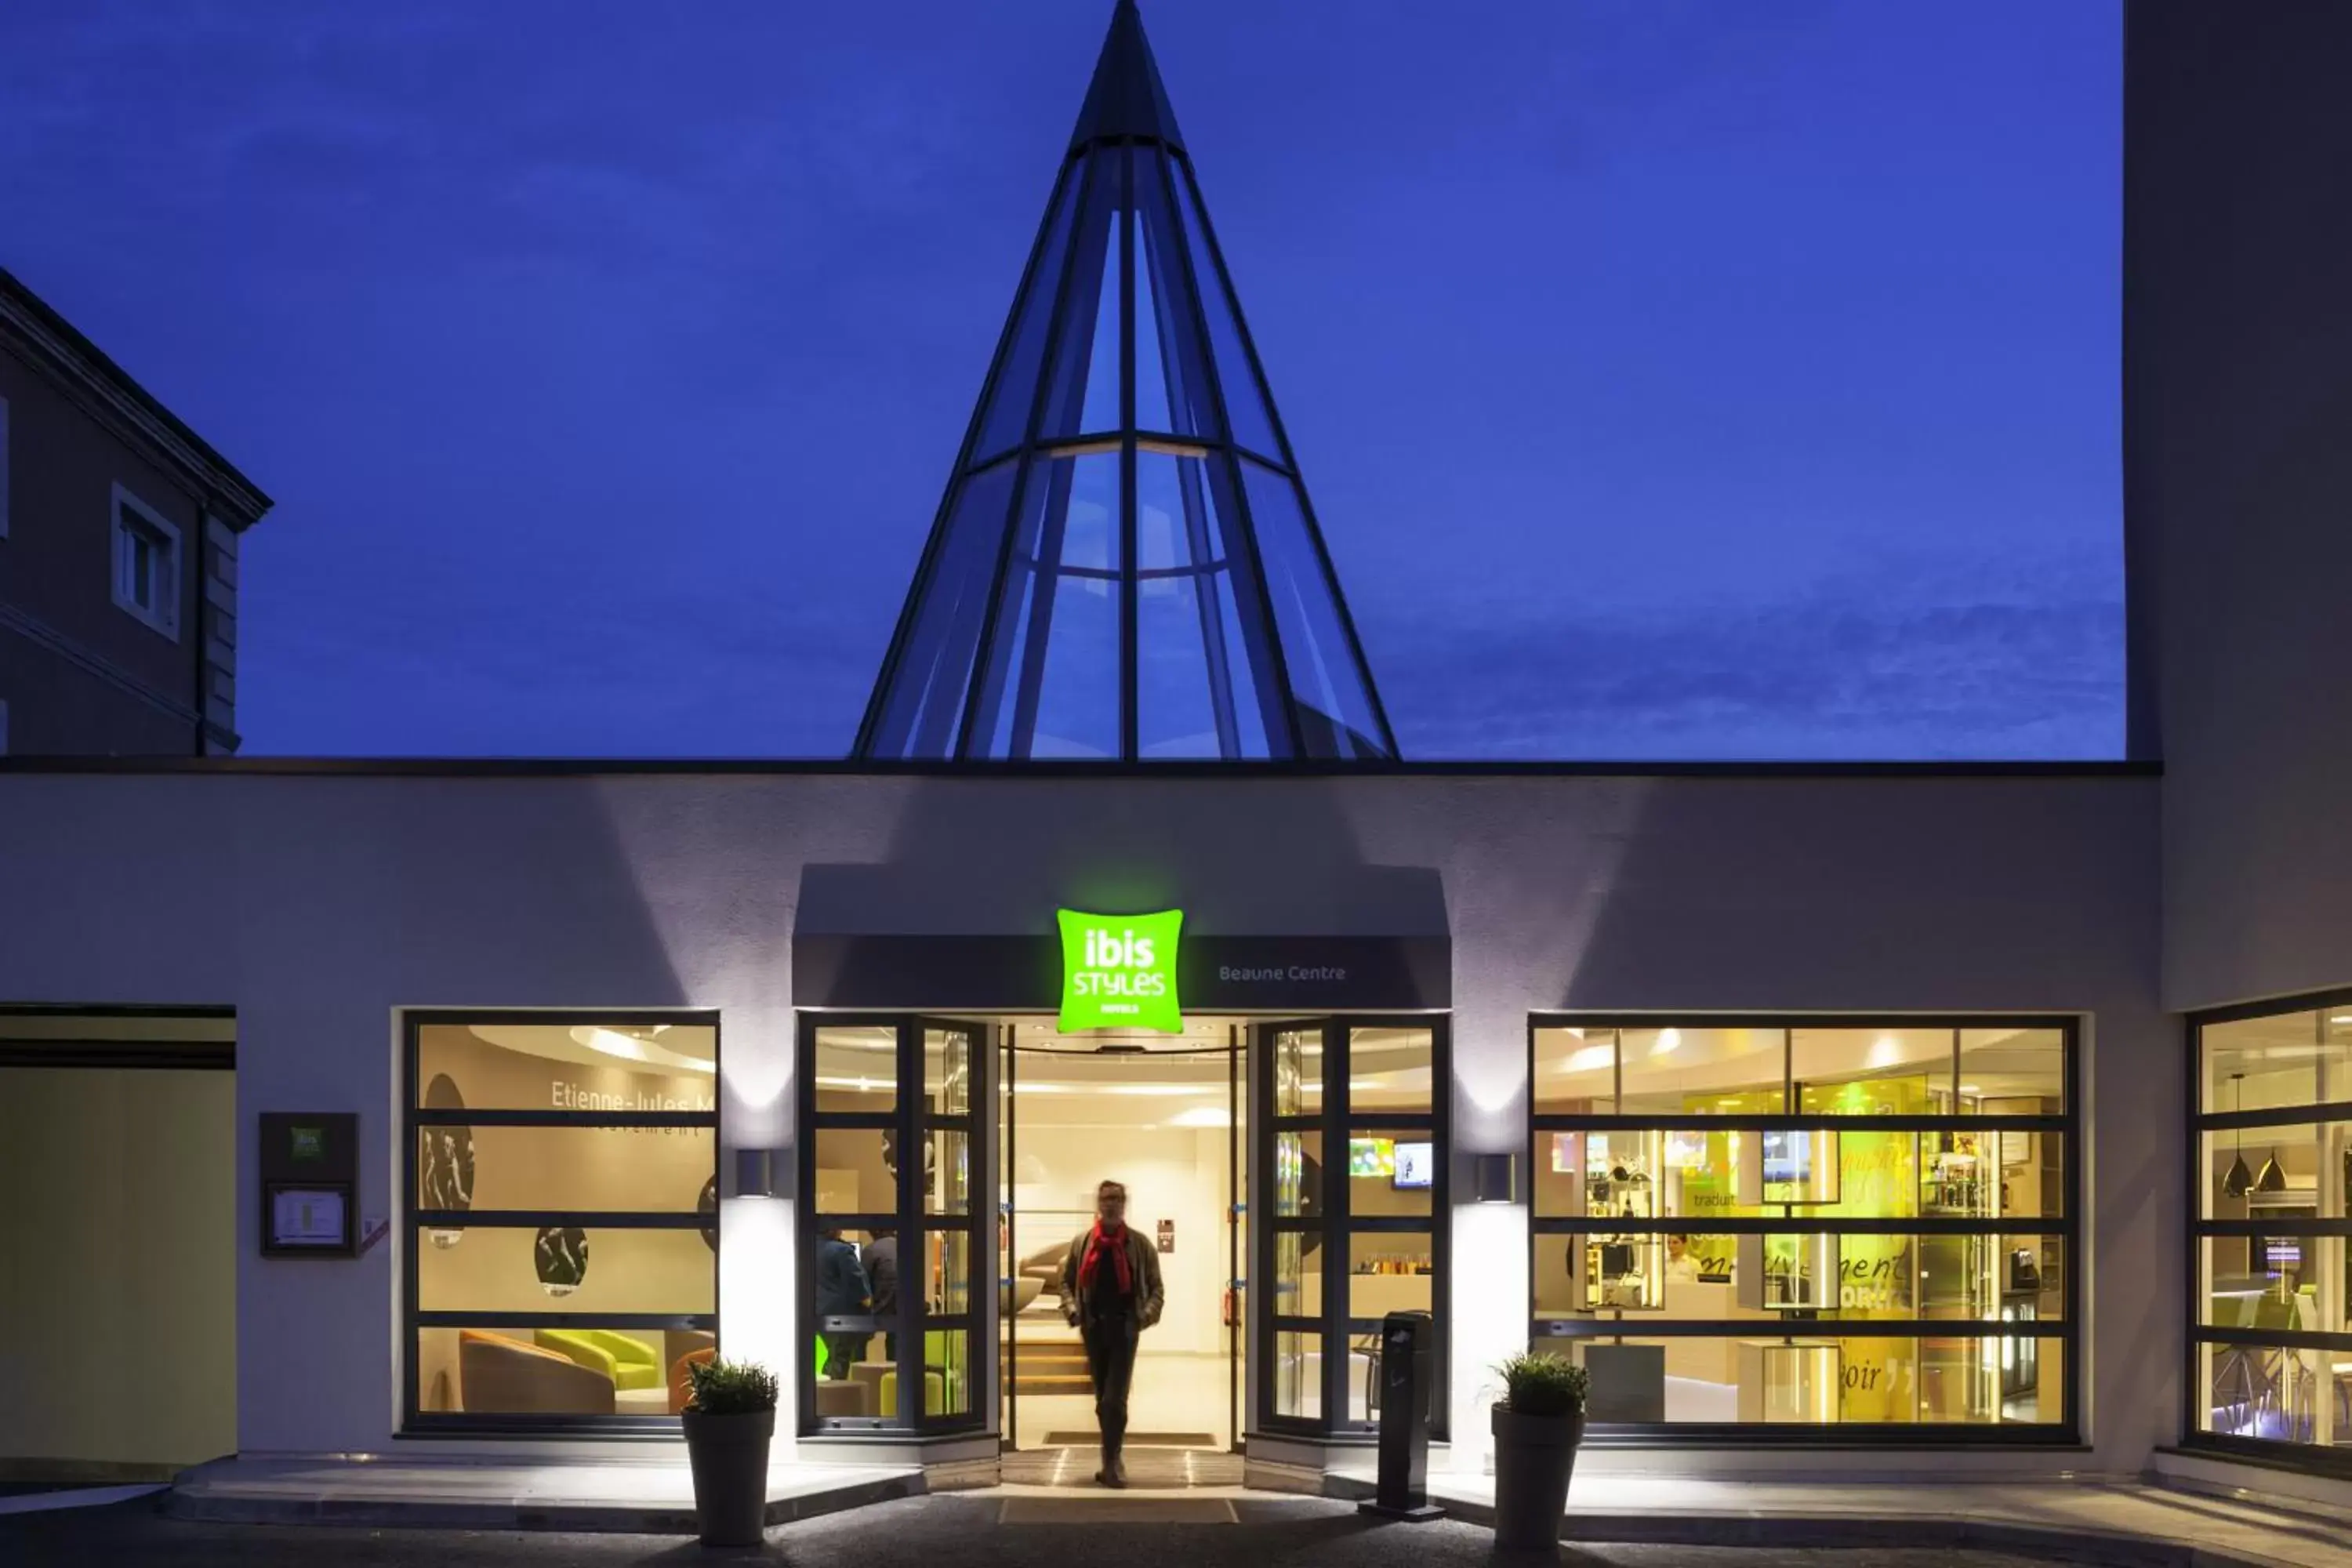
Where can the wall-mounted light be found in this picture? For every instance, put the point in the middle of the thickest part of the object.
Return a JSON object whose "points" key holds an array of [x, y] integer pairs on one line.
{"points": [[1494, 1179], [755, 1174]]}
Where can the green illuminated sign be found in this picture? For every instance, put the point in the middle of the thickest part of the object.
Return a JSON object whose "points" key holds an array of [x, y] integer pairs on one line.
{"points": [[1119, 972]]}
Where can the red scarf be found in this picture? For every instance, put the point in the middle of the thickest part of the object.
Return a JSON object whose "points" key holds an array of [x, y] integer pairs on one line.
{"points": [[1114, 1242]]}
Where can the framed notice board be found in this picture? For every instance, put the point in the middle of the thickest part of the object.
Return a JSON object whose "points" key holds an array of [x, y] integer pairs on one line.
{"points": [[310, 1184]]}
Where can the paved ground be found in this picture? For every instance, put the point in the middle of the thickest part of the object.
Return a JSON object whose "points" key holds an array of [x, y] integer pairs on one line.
{"points": [[1068, 1532]]}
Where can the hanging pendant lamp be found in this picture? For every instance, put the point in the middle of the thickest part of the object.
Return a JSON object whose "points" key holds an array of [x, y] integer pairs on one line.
{"points": [[2272, 1179], [2241, 1180]]}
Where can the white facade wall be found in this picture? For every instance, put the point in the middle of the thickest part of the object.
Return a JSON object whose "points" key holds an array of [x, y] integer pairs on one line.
{"points": [[320, 904], [2238, 483]]}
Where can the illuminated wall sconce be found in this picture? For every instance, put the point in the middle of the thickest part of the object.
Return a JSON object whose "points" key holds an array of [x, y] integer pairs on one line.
{"points": [[756, 1171], [1494, 1179]]}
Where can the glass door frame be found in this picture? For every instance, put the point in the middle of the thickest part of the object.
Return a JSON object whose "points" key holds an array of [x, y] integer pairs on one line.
{"points": [[910, 1122], [1007, 1150], [1336, 1121]]}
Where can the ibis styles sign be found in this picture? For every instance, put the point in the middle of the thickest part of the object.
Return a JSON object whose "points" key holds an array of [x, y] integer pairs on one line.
{"points": [[1119, 972]]}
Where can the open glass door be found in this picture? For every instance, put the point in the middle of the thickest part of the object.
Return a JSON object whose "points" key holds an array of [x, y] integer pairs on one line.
{"points": [[894, 1131], [1349, 1128]]}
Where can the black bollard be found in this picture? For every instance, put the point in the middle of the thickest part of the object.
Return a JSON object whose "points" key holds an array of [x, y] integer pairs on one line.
{"points": [[1403, 1486]]}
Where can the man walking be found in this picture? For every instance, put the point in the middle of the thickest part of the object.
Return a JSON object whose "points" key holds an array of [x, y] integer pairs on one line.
{"points": [[1111, 1293]]}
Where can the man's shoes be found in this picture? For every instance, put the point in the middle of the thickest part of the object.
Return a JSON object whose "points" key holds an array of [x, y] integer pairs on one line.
{"points": [[1116, 1467]]}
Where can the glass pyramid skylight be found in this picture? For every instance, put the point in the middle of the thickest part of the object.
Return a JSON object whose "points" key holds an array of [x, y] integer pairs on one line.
{"points": [[1125, 565]]}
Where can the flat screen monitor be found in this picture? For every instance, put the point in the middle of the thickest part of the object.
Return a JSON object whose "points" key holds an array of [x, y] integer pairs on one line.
{"points": [[1372, 1157], [1415, 1165], [1787, 1159]]}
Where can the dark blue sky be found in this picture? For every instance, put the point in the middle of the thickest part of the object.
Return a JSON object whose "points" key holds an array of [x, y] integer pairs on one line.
{"points": [[1674, 380]]}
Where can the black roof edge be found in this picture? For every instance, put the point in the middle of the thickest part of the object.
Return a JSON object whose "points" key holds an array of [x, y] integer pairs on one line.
{"points": [[577, 767], [98, 360]]}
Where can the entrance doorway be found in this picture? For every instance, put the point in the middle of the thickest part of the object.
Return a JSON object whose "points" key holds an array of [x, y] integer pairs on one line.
{"points": [[1332, 1131], [1164, 1115]]}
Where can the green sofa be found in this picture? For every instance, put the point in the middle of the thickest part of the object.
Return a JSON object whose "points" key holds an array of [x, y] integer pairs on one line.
{"points": [[629, 1363]]}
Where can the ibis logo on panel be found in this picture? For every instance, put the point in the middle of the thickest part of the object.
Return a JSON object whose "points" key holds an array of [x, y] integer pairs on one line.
{"points": [[1119, 972]]}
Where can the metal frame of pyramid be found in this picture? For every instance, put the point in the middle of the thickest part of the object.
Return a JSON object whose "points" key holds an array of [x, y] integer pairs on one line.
{"points": [[1125, 565]]}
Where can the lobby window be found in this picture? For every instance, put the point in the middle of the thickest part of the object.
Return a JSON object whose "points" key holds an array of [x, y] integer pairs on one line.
{"points": [[894, 1297], [1352, 1141], [561, 1200], [1771, 1225], [2272, 1150], [146, 563]]}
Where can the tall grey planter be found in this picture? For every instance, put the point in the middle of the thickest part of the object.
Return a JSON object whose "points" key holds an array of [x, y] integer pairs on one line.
{"points": [[729, 1455], [1534, 1457]]}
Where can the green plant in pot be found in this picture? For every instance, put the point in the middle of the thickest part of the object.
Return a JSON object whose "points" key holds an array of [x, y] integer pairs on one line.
{"points": [[731, 1418], [1539, 1424]]}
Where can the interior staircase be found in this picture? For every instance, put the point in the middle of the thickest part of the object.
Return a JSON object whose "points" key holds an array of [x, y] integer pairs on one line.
{"points": [[1049, 1366]]}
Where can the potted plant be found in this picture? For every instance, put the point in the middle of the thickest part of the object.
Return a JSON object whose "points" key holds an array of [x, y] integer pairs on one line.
{"points": [[1537, 1423], [730, 1416]]}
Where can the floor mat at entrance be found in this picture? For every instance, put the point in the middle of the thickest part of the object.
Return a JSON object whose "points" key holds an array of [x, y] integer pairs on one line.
{"points": [[1116, 1510], [1148, 1469]]}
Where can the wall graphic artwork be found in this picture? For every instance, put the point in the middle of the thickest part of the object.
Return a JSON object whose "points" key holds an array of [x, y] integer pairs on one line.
{"points": [[561, 1255], [447, 1161], [709, 1203]]}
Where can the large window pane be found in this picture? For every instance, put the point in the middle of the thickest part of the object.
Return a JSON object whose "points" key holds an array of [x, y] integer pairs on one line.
{"points": [[1297, 1274], [619, 1169], [1875, 1071], [1297, 1175], [556, 1369], [857, 1070], [1823, 1380], [1244, 406], [1079, 696], [579, 1267], [2287, 1059], [2278, 1174], [947, 1070], [1298, 1375], [947, 1373], [1684, 1071], [1010, 400], [1334, 709], [947, 1171], [1298, 1072], [2283, 1283], [1390, 1173], [563, 1269], [2012, 1072], [1983, 1175], [947, 1273], [1390, 1271], [1082, 390], [857, 1170], [924, 709], [1575, 1072], [1388, 1069], [1171, 388], [496, 1065], [1176, 692], [2273, 1393], [1800, 1275]]}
